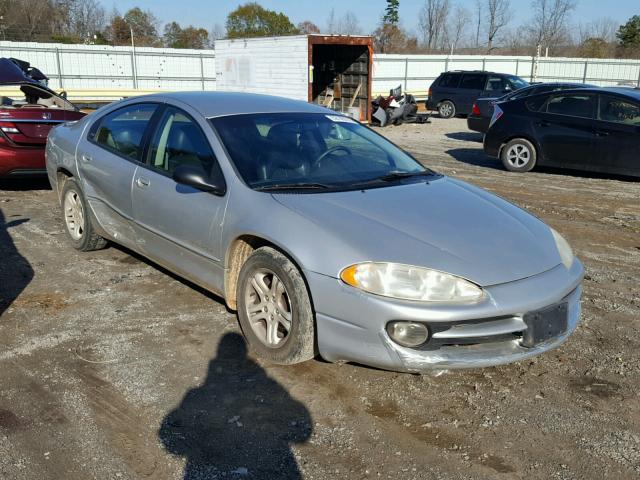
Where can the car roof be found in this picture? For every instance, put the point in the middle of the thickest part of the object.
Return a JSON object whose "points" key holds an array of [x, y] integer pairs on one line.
{"points": [[479, 71], [219, 104], [632, 92]]}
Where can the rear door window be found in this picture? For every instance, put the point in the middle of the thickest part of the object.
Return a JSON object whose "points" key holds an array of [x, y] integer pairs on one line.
{"points": [[616, 110], [450, 80], [473, 81], [573, 105], [496, 84], [122, 131]]}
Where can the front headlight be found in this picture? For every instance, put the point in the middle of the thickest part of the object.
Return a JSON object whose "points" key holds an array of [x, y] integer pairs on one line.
{"points": [[407, 282], [566, 254]]}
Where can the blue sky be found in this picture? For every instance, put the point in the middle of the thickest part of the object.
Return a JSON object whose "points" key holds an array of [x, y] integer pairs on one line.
{"points": [[209, 12]]}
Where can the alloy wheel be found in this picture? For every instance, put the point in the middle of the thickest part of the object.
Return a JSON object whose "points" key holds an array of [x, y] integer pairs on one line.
{"points": [[518, 155], [74, 214], [268, 308]]}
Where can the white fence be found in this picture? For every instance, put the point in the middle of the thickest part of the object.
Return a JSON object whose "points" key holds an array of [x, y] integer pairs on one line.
{"points": [[97, 67]]}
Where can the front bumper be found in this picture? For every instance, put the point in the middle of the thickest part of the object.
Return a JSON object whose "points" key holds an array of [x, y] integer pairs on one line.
{"points": [[351, 324]]}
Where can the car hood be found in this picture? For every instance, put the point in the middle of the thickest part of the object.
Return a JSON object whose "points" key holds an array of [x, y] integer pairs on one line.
{"points": [[443, 224]]}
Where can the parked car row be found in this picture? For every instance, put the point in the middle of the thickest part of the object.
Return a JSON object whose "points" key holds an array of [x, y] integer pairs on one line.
{"points": [[569, 125]]}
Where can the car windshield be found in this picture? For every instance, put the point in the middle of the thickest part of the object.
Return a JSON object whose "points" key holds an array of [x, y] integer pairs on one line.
{"points": [[308, 151]]}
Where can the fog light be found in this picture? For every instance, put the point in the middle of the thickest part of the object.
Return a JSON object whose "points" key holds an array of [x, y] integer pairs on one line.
{"points": [[408, 334]]}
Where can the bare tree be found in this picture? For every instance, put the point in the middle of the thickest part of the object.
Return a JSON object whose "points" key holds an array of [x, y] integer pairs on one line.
{"points": [[349, 24], [550, 19], [432, 22], [497, 18], [457, 26], [479, 10], [331, 21], [87, 18], [604, 28], [217, 32]]}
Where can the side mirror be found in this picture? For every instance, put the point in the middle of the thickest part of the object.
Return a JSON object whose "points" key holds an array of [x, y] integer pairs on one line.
{"points": [[197, 178]]}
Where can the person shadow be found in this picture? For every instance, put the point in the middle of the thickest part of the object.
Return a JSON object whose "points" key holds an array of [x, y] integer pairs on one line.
{"points": [[239, 423], [15, 271]]}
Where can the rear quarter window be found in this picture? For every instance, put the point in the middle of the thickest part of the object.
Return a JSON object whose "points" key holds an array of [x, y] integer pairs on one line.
{"points": [[450, 80]]}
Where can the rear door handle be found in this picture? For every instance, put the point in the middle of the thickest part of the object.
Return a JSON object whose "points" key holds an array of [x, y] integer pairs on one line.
{"points": [[543, 123], [85, 158], [601, 133], [142, 182]]}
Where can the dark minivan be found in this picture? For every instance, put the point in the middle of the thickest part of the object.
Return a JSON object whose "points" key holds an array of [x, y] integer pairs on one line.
{"points": [[454, 92], [596, 129]]}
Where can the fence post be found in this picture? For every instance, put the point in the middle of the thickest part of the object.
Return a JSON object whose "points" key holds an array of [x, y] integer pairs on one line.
{"points": [[59, 64], [638, 75], [446, 64], [202, 71], [133, 69], [517, 65], [484, 63], [584, 75], [406, 72]]}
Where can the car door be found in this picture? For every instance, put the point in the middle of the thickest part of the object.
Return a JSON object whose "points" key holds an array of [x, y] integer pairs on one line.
{"points": [[180, 226], [564, 128], [471, 87], [108, 157], [617, 135]]}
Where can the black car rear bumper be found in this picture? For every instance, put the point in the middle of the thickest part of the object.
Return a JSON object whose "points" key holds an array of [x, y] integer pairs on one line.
{"points": [[492, 145], [478, 124]]}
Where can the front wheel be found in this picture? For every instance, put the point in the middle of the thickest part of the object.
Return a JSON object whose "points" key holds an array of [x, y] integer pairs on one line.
{"points": [[447, 109], [519, 155], [274, 308]]}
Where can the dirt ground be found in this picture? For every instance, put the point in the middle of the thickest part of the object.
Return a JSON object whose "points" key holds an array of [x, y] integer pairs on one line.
{"points": [[111, 368]]}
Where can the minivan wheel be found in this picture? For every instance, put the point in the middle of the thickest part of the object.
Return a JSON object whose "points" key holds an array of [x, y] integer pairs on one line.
{"points": [[274, 308], [77, 219], [519, 155], [447, 109]]}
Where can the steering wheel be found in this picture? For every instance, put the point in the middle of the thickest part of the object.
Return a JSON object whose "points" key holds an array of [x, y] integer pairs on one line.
{"points": [[331, 151]]}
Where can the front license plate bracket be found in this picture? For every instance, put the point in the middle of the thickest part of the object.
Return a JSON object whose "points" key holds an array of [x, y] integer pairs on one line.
{"points": [[545, 324]]}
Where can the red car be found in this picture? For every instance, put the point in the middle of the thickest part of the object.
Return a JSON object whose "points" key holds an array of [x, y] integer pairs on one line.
{"points": [[25, 123]]}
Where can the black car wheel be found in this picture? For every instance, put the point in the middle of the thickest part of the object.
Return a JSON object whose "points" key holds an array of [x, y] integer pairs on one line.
{"points": [[447, 109], [519, 155]]}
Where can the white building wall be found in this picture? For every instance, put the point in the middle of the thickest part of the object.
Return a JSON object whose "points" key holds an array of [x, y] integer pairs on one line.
{"points": [[272, 65]]}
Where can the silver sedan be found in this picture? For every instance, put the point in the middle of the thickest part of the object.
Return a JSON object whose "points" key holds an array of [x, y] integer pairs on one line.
{"points": [[324, 236]]}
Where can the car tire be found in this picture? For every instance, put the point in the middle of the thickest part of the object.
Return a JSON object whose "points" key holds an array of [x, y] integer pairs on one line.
{"points": [[447, 109], [519, 155], [77, 219], [277, 319]]}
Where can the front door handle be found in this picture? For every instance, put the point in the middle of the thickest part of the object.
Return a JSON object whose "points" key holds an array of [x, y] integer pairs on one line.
{"points": [[142, 182], [601, 133], [543, 123], [85, 158]]}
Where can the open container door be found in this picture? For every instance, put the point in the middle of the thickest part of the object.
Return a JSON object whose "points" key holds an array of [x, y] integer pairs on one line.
{"points": [[340, 73]]}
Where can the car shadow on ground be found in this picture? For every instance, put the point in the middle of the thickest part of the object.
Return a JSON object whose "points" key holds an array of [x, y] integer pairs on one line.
{"points": [[15, 271], [474, 156], [465, 136], [239, 423]]}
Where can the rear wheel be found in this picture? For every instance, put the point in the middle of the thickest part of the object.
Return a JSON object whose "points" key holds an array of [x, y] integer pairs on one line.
{"points": [[274, 308], [77, 219], [519, 155], [447, 109]]}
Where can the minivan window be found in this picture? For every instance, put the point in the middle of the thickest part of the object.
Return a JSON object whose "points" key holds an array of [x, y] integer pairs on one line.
{"points": [[614, 109], [121, 131], [574, 105], [496, 84], [450, 80], [473, 81]]}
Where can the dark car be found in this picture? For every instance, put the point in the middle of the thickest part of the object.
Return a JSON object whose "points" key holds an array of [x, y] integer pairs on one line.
{"points": [[454, 92], [27, 114], [596, 129], [482, 110]]}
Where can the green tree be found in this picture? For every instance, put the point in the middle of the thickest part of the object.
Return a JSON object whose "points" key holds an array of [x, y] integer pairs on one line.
{"points": [[391, 16], [629, 33], [595, 47], [252, 20], [142, 23]]}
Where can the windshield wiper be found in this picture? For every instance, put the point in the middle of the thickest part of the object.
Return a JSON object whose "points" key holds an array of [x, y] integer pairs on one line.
{"points": [[293, 186], [394, 175]]}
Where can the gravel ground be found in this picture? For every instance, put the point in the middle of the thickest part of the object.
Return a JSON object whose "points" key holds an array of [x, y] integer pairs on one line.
{"points": [[111, 367]]}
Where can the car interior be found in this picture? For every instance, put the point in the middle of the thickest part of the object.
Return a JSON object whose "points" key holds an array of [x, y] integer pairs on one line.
{"points": [[31, 96]]}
